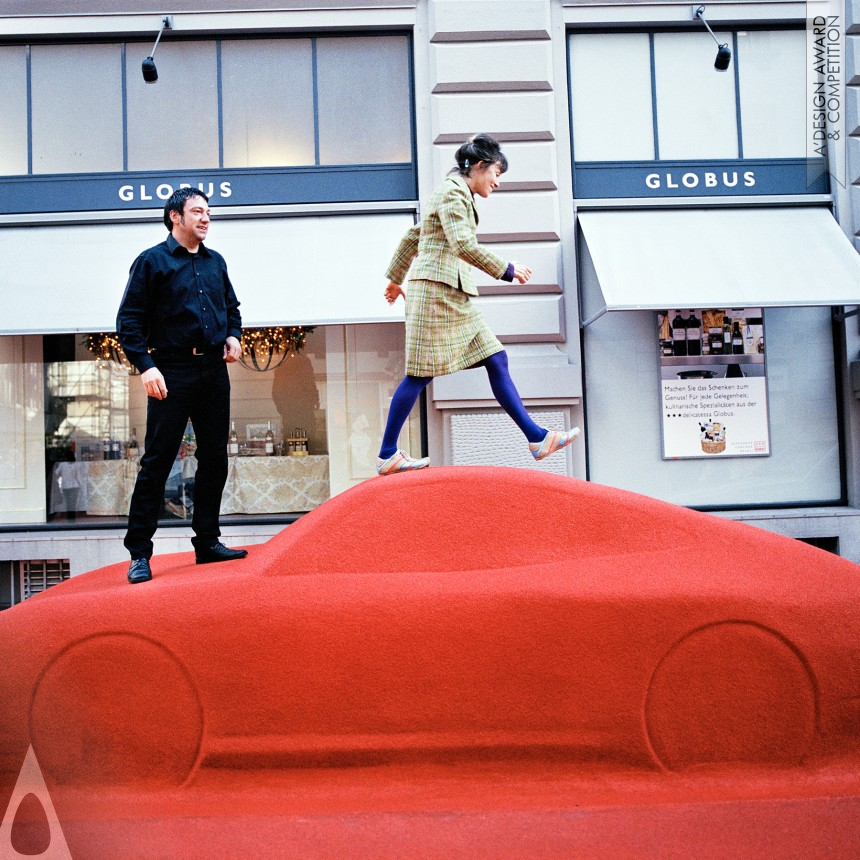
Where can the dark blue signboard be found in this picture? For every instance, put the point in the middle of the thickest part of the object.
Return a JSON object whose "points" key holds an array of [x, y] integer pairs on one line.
{"points": [[243, 187], [744, 177]]}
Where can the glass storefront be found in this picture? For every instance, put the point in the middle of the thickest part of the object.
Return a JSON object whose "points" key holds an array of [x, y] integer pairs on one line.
{"points": [[305, 428]]}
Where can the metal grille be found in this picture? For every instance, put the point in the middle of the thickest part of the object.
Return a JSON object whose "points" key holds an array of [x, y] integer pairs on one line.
{"points": [[490, 438], [37, 575]]}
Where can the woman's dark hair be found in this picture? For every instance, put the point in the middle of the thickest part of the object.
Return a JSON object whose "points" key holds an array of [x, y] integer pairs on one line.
{"points": [[481, 147], [176, 203]]}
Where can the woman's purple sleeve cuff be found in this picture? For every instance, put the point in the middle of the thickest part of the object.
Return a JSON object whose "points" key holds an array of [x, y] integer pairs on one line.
{"points": [[509, 273]]}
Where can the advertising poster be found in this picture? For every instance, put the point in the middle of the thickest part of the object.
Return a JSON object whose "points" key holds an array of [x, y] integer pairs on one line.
{"points": [[713, 383]]}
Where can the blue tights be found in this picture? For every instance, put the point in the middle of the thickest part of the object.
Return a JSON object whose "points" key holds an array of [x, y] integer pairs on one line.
{"points": [[501, 383]]}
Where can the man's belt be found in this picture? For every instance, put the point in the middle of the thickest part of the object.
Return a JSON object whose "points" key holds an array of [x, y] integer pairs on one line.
{"points": [[196, 351]]}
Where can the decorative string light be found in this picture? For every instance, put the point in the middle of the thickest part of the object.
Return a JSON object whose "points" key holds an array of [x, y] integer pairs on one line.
{"points": [[267, 348], [106, 347], [262, 348]]}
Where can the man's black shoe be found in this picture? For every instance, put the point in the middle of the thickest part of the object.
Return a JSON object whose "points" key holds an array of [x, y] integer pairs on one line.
{"points": [[138, 570], [218, 552]]}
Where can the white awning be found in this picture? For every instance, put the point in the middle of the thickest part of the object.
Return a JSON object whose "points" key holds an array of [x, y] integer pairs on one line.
{"points": [[314, 270], [648, 259]]}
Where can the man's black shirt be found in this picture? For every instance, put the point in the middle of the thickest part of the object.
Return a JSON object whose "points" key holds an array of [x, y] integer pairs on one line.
{"points": [[175, 300]]}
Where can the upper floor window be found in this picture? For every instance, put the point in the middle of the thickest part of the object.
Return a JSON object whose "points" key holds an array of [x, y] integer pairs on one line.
{"points": [[226, 103], [664, 101]]}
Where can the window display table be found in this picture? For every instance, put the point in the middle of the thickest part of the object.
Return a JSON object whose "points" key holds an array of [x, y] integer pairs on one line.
{"points": [[255, 485], [98, 487], [109, 486], [269, 485]]}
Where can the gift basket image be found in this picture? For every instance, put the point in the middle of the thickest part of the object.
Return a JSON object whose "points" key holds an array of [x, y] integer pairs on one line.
{"points": [[713, 437]]}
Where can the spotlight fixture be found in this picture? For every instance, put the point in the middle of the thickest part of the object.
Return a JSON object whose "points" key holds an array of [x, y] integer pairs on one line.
{"points": [[150, 73], [724, 53]]}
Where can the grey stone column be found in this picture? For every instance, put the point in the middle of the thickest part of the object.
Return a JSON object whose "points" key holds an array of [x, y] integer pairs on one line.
{"points": [[491, 69]]}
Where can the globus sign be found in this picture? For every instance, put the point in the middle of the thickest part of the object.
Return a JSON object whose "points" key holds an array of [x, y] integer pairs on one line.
{"points": [[105, 192], [707, 179], [738, 177], [215, 191]]}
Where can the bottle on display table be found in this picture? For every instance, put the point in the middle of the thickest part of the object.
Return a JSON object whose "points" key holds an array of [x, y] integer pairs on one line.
{"points": [[727, 336], [694, 335], [737, 339], [715, 336], [132, 445], [679, 335], [233, 441], [270, 441], [297, 443], [753, 332], [664, 333]]}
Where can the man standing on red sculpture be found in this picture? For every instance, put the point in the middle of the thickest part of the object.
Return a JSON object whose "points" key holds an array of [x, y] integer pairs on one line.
{"points": [[179, 324]]}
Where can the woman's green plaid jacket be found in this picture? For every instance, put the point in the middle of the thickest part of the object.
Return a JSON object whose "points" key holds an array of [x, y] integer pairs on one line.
{"points": [[442, 246]]}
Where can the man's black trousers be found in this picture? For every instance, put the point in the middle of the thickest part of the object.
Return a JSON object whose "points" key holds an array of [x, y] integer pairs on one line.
{"points": [[198, 387]]}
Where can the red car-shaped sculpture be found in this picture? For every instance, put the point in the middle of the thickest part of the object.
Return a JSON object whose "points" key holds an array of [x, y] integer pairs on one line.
{"points": [[451, 616]]}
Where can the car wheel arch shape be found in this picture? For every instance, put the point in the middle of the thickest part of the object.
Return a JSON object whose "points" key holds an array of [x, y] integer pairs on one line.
{"points": [[117, 707], [732, 691]]}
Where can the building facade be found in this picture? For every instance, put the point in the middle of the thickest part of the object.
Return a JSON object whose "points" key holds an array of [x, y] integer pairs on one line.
{"points": [[691, 231]]}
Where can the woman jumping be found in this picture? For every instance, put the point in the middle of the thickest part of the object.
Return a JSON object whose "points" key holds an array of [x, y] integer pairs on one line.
{"points": [[445, 332]]}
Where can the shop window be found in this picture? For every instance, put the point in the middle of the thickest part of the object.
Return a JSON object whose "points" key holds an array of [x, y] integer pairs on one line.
{"points": [[375, 94], [268, 105], [306, 428], [165, 131], [245, 103], [612, 122], [22, 579], [624, 430], [76, 108], [13, 109], [696, 109], [684, 109]]}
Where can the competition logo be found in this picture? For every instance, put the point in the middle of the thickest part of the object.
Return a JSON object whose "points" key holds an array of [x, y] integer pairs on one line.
{"points": [[31, 784], [825, 90]]}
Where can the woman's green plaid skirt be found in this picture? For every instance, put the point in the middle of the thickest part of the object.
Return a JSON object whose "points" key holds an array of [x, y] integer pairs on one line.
{"points": [[445, 332]]}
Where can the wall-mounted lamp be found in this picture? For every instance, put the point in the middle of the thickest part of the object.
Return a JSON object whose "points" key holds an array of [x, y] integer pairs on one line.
{"points": [[150, 73], [724, 53]]}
